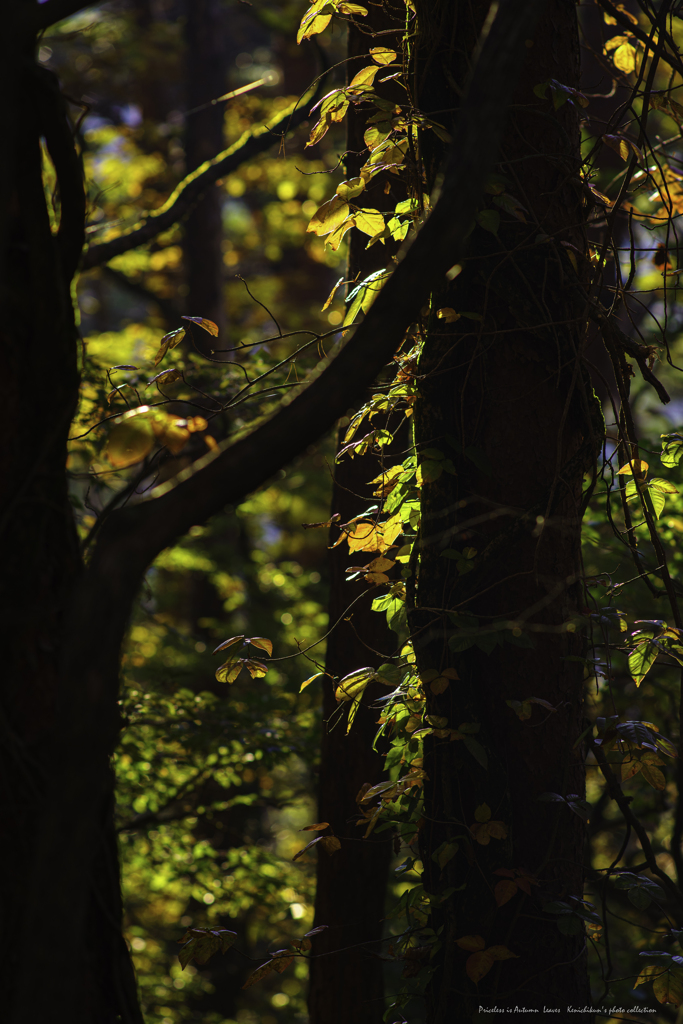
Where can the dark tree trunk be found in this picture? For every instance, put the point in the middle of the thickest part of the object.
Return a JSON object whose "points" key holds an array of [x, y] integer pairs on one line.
{"points": [[351, 885], [206, 80], [498, 391], [61, 944]]}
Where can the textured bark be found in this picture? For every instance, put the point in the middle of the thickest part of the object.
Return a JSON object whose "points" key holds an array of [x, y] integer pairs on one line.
{"points": [[206, 79], [516, 396]]}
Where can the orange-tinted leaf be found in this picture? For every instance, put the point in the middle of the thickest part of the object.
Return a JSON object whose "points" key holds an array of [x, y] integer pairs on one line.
{"points": [[330, 844], [366, 536], [200, 321], [504, 891], [471, 942], [196, 423], [262, 643], [318, 827], [281, 963]]}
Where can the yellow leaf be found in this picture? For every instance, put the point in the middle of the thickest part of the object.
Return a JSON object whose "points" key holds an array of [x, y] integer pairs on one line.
{"points": [[636, 467], [311, 679], [348, 189], [345, 8], [335, 239], [370, 222], [364, 79], [229, 672], [448, 314], [478, 965], [366, 536], [330, 215], [229, 643], [391, 530], [382, 54], [314, 21], [482, 812], [471, 942], [624, 58], [375, 136], [318, 827], [130, 440], [256, 669]]}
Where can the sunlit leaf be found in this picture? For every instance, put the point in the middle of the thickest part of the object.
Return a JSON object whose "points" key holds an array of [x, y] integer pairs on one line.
{"points": [[169, 341], [256, 669], [166, 377], [370, 222], [382, 54], [363, 80], [311, 679], [130, 441], [642, 658], [330, 215], [262, 643], [348, 189], [353, 684], [448, 314], [200, 321], [672, 449], [228, 672]]}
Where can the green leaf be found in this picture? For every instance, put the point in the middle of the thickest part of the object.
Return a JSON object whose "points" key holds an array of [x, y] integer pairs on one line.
{"points": [[642, 658], [202, 943], [476, 750], [229, 671], [489, 220], [672, 449]]}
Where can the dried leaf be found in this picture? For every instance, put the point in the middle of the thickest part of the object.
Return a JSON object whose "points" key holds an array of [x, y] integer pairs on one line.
{"points": [[318, 827]]}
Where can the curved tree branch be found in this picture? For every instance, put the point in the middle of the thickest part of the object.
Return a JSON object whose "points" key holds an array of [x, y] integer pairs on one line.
{"points": [[133, 537], [192, 188]]}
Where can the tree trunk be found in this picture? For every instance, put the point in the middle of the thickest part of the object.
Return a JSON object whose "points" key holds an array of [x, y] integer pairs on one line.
{"points": [[206, 80], [508, 403]]}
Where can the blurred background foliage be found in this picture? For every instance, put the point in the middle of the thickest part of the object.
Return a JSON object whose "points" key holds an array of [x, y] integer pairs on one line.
{"points": [[214, 783]]}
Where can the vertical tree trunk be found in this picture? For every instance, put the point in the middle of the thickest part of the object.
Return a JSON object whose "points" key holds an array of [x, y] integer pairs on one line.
{"points": [[509, 404], [206, 79], [351, 885]]}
